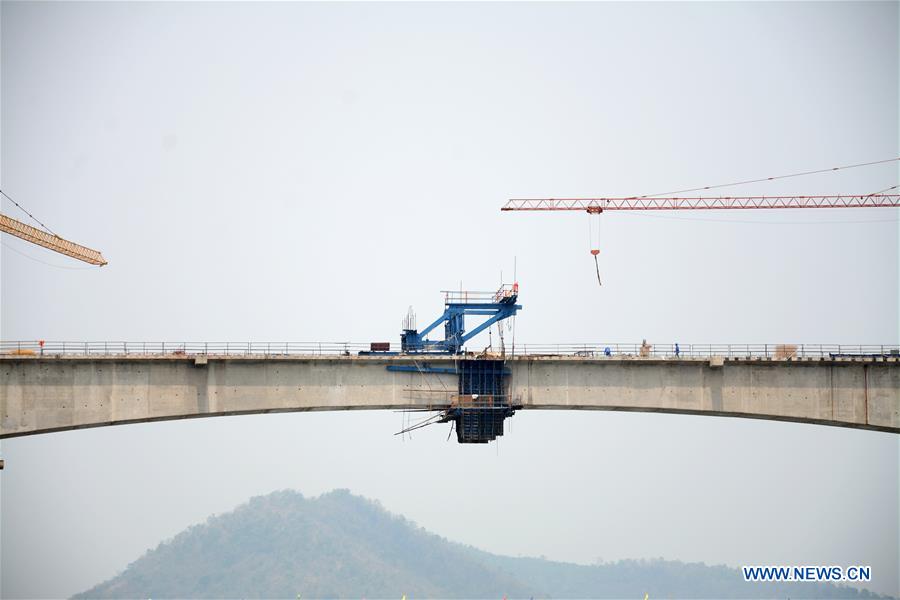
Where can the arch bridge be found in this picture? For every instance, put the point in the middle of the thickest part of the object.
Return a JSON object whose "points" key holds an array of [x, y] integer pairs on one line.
{"points": [[49, 387]]}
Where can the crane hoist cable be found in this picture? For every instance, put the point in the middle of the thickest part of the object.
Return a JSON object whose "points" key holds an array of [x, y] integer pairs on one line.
{"points": [[764, 179], [594, 218], [893, 187], [22, 208]]}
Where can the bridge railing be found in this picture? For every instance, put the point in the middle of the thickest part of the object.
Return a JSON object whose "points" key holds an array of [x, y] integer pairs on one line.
{"points": [[710, 350], [112, 348], [669, 351]]}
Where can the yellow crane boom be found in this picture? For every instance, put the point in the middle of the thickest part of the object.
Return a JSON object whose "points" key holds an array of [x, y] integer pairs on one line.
{"points": [[50, 241]]}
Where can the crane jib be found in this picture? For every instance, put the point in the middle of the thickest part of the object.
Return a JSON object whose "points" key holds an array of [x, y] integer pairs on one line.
{"points": [[703, 203], [50, 241]]}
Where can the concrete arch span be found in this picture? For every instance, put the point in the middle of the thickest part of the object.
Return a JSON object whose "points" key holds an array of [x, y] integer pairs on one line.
{"points": [[47, 394]]}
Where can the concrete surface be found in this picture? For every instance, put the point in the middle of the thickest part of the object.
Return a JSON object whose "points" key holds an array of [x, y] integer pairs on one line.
{"points": [[46, 394]]}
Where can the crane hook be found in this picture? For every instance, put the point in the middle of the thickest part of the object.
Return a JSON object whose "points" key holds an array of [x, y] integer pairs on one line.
{"points": [[595, 252]]}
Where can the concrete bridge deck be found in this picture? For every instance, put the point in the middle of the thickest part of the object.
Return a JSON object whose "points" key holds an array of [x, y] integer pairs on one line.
{"points": [[42, 394]]}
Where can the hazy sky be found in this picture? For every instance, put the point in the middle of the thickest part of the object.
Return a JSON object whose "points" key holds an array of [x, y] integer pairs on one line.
{"points": [[305, 172]]}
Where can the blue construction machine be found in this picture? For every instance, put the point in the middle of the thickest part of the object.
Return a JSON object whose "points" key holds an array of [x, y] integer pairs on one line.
{"points": [[481, 402], [497, 306]]}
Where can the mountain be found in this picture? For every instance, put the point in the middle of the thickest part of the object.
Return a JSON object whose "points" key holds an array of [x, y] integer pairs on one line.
{"points": [[342, 546]]}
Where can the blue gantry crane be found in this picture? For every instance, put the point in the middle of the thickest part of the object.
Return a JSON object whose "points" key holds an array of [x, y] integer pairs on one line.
{"points": [[497, 306]]}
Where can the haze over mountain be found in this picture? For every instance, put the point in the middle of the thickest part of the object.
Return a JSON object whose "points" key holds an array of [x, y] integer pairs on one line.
{"points": [[340, 546]]}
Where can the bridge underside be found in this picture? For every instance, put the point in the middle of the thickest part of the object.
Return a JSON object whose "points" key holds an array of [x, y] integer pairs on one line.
{"points": [[47, 394]]}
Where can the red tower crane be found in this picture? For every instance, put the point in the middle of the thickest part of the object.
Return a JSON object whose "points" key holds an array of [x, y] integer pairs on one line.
{"points": [[672, 201]]}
